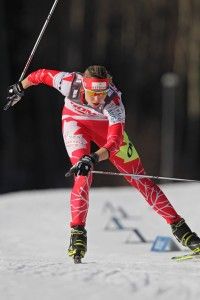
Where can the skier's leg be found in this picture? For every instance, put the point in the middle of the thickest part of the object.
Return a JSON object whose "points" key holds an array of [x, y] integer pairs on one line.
{"points": [[127, 160], [77, 143]]}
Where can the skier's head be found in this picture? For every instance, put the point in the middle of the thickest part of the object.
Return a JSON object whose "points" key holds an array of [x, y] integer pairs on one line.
{"points": [[96, 80], [97, 72]]}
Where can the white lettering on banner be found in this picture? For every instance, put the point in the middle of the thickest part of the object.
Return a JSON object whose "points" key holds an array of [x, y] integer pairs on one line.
{"points": [[83, 110], [99, 85]]}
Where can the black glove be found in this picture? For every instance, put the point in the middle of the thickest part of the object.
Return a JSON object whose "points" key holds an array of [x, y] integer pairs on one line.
{"points": [[15, 93], [84, 165]]}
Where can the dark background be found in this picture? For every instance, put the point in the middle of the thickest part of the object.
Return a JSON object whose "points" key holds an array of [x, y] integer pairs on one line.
{"points": [[138, 42]]}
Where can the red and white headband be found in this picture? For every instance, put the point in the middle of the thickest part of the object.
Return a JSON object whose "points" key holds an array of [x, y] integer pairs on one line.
{"points": [[96, 84]]}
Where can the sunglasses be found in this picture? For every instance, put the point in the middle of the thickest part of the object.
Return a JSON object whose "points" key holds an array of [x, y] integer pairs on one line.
{"points": [[95, 93]]}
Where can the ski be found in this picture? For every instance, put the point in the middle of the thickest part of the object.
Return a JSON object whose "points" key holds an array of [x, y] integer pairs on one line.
{"points": [[188, 256]]}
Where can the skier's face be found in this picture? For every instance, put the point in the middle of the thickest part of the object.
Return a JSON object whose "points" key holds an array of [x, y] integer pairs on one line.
{"points": [[94, 98], [96, 90]]}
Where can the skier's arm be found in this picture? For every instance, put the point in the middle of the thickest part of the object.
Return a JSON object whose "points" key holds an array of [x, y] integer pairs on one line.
{"points": [[116, 117], [41, 76], [26, 83], [114, 140], [59, 80], [102, 153], [53, 78]]}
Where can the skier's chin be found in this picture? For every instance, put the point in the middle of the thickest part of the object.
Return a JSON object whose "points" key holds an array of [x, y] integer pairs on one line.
{"points": [[96, 104]]}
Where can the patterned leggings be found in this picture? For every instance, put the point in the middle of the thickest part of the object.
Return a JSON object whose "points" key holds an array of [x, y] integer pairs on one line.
{"points": [[77, 137]]}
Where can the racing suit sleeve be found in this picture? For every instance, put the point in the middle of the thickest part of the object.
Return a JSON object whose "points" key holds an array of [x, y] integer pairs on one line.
{"points": [[57, 79], [114, 138]]}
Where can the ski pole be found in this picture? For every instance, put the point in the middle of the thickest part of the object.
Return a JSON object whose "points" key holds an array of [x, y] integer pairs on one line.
{"points": [[9, 104], [138, 176], [135, 176]]}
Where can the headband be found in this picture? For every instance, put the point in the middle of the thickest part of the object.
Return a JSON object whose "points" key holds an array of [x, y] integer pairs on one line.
{"points": [[97, 84]]}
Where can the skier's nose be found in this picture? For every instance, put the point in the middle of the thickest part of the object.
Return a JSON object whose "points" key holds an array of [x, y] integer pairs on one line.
{"points": [[96, 99]]}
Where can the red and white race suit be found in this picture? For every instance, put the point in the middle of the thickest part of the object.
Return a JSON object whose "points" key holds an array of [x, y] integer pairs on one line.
{"points": [[104, 126]]}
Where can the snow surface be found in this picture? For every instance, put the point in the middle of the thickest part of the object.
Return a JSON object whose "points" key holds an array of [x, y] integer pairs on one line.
{"points": [[34, 236]]}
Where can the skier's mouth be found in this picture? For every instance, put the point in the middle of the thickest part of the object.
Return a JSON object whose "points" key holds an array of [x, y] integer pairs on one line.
{"points": [[96, 104]]}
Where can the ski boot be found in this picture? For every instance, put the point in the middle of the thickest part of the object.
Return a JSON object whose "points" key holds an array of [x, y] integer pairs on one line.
{"points": [[185, 236], [78, 243]]}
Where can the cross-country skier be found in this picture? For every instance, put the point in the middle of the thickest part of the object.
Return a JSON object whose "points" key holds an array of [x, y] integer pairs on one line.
{"points": [[93, 112]]}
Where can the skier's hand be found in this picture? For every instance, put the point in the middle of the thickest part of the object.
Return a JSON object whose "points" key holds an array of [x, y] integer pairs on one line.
{"points": [[84, 165], [15, 93]]}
